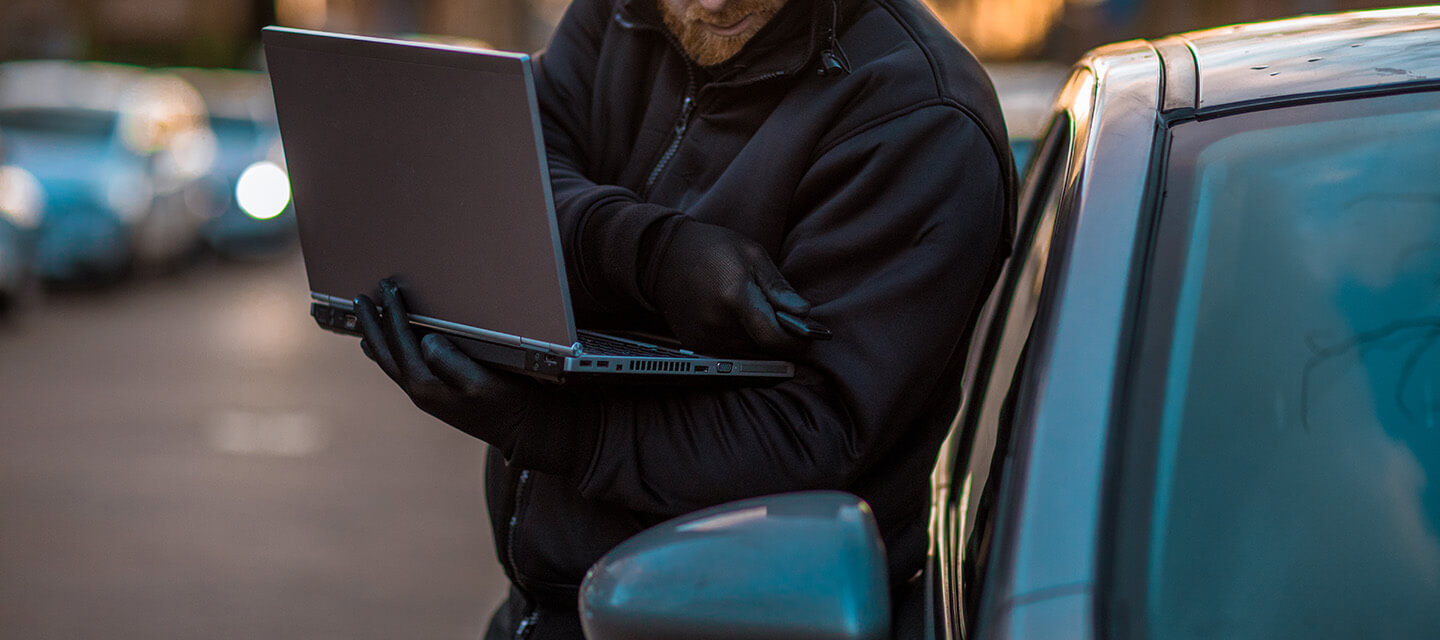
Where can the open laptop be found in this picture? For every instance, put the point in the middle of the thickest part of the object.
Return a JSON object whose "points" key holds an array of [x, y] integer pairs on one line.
{"points": [[426, 164]]}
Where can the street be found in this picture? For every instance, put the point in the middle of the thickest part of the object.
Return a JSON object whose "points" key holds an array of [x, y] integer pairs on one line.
{"points": [[189, 456]]}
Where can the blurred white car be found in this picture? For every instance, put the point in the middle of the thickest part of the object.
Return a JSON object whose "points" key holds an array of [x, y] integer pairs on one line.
{"points": [[119, 152]]}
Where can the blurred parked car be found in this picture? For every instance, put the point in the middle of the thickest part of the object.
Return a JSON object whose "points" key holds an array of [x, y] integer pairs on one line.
{"points": [[1026, 91], [119, 151], [22, 206], [1202, 401], [248, 206]]}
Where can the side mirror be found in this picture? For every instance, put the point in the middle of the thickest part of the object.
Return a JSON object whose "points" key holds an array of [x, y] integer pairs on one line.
{"points": [[801, 565]]}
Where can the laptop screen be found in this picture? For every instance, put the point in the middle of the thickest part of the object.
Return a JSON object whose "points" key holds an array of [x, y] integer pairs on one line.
{"points": [[423, 163]]}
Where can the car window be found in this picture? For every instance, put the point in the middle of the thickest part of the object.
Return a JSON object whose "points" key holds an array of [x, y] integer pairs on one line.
{"points": [[80, 124], [981, 454], [1292, 457], [59, 145]]}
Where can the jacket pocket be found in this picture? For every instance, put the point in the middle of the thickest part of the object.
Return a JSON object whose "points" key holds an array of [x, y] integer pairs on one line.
{"points": [[557, 534]]}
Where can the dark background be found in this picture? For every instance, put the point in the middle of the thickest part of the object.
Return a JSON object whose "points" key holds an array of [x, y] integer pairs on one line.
{"points": [[224, 32]]}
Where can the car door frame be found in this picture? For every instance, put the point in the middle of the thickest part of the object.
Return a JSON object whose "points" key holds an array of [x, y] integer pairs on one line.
{"points": [[1042, 573], [1050, 174]]}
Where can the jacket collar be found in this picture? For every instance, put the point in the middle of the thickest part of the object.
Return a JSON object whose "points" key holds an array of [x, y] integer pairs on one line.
{"points": [[790, 44]]}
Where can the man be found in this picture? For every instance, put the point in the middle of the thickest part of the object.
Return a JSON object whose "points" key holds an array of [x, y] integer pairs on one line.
{"points": [[713, 162]]}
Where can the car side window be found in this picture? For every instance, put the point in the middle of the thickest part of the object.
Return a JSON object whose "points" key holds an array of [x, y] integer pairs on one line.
{"points": [[980, 467]]}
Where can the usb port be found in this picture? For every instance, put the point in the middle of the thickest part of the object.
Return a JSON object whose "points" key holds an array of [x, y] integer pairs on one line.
{"points": [[602, 363], [584, 363], [700, 368]]}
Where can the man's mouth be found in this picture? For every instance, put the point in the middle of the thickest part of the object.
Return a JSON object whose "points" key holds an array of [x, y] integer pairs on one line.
{"points": [[732, 29]]}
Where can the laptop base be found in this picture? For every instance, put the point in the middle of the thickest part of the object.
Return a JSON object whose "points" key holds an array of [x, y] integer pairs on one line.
{"points": [[585, 368]]}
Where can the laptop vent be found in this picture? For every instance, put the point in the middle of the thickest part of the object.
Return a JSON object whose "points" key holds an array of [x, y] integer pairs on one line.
{"points": [[660, 366]]}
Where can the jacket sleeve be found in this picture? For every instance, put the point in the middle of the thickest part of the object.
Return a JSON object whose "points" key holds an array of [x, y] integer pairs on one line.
{"points": [[595, 220], [899, 227]]}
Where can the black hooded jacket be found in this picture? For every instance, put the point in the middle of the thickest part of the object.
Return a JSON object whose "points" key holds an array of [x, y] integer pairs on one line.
{"points": [[884, 192]]}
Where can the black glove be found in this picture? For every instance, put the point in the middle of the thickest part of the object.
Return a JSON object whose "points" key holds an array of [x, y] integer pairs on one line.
{"points": [[504, 409], [719, 291]]}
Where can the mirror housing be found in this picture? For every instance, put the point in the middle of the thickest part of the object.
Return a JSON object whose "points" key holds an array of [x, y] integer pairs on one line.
{"points": [[801, 565]]}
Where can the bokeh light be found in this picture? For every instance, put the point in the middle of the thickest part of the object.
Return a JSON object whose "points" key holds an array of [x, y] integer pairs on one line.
{"points": [[263, 190]]}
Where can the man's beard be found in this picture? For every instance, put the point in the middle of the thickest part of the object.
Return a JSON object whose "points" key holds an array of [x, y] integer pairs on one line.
{"points": [[707, 48]]}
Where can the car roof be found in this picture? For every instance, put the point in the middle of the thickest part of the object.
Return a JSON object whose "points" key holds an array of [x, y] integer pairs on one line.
{"points": [[1309, 55], [65, 84]]}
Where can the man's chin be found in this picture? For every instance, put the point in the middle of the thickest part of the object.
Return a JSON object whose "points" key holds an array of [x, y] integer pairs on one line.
{"points": [[711, 50]]}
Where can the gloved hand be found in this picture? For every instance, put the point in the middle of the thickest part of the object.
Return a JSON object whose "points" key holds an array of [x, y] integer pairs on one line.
{"points": [[494, 406], [718, 291]]}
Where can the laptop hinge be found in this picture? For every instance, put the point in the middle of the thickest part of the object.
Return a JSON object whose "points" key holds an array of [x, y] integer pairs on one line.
{"points": [[550, 347]]}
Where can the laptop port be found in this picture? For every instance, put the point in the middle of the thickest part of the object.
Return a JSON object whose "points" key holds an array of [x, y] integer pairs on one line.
{"points": [[700, 368], [603, 364], [584, 363]]}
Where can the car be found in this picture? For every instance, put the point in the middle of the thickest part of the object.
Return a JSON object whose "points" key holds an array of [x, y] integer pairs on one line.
{"points": [[248, 210], [119, 151], [1202, 399], [22, 207]]}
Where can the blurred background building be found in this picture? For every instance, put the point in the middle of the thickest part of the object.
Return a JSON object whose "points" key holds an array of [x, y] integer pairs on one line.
{"points": [[224, 32]]}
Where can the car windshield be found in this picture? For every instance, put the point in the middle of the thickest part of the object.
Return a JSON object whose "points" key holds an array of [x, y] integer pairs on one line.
{"points": [[1293, 457], [59, 145], [76, 123]]}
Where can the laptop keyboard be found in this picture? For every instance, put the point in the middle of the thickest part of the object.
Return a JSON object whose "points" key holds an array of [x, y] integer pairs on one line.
{"points": [[593, 344]]}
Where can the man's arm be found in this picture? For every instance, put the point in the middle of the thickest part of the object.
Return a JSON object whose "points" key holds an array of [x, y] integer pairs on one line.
{"points": [[595, 220], [897, 249]]}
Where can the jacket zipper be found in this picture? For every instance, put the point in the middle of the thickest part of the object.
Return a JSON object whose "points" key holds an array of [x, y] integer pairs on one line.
{"points": [[527, 624], [687, 109], [513, 524]]}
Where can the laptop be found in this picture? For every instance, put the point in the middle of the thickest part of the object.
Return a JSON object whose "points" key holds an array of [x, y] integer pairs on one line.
{"points": [[425, 163]]}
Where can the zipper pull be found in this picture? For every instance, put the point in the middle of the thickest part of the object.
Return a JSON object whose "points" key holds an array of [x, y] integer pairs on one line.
{"points": [[833, 60], [684, 122], [685, 108]]}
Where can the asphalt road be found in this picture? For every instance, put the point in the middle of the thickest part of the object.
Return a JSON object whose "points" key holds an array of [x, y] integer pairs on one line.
{"points": [[190, 457]]}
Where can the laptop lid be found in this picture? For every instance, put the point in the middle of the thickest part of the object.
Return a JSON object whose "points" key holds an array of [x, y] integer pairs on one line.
{"points": [[425, 163]]}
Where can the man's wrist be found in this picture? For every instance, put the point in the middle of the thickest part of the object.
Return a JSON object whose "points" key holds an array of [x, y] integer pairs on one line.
{"points": [[612, 250], [654, 243]]}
